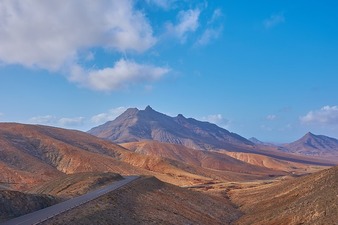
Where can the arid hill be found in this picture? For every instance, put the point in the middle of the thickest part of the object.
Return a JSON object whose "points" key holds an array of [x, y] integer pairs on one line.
{"points": [[33, 154], [72, 185], [150, 201], [275, 163], [312, 199], [206, 159], [230, 161], [139, 125], [315, 145]]}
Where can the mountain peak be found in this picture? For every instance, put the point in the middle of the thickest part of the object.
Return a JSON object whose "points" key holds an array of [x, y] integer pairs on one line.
{"points": [[148, 108], [148, 124], [311, 144], [180, 116], [309, 134], [130, 111]]}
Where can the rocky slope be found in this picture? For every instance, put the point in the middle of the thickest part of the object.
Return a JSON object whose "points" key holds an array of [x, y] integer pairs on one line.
{"points": [[73, 185], [14, 203], [311, 199], [139, 125]]}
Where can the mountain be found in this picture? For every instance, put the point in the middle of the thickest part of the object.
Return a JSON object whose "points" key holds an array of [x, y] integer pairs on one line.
{"points": [[258, 142], [31, 155], [316, 145], [139, 125], [34, 154], [310, 199]]}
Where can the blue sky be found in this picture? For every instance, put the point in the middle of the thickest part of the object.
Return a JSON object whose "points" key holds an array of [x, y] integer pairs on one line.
{"points": [[267, 69]]}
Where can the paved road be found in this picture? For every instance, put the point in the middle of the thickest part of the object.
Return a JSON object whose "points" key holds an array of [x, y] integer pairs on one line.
{"points": [[49, 212]]}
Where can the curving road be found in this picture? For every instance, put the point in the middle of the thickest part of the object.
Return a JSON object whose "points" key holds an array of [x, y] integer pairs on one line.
{"points": [[49, 212]]}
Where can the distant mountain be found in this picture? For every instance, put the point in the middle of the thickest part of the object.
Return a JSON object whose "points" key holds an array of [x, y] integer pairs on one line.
{"points": [[311, 144], [139, 125], [259, 142]]}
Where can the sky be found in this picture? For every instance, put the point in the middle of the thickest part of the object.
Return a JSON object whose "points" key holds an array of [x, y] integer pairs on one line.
{"points": [[264, 69]]}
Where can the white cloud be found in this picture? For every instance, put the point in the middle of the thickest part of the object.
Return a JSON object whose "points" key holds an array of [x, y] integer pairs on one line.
{"points": [[274, 20], [1, 114], [217, 119], [216, 15], [271, 117], [266, 128], [50, 34], [208, 35], [55, 121], [121, 74], [47, 120], [187, 22], [108, 116], [164, 4], [90, 56], [327, 115], [71, 122], [212, 30]]}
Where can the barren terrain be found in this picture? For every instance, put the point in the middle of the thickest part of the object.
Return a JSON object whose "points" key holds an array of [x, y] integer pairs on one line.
{"points": [[150, 201], [312, 199]]}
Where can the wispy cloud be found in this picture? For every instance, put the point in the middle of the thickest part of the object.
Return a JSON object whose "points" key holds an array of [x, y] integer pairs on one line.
{"points": [[208, 35], [46, 120], [108, 116], [212, 30], [266, 128], [55, 121], [123, 73], [327, 115], [188, 22], [164, 4], [271, 117], [215, 16], [274, 20], [217, 119], [71, 122]]}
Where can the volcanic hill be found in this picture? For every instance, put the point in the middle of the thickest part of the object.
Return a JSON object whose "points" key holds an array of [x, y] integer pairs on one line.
{"points": [[315, 145], [139, 125]]}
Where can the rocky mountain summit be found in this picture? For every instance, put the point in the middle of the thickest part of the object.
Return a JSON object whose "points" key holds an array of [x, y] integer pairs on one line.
{"points": [[311, 144], [148, 124]]}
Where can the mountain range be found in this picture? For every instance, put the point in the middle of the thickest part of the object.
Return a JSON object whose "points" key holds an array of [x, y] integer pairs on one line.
{"points": [[136, 125], [34, 154], [50, 164]]}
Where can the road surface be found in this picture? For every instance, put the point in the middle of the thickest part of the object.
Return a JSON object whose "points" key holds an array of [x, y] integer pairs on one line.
{"points": [[49, 212]]}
